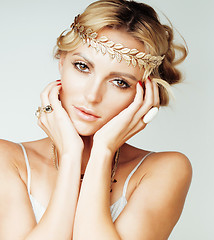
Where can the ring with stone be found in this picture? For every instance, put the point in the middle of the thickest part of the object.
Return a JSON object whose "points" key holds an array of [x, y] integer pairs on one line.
{"points": [[47, 109], [38, 112], [150, 115]]}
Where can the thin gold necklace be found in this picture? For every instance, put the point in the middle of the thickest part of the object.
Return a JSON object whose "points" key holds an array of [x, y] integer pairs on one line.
{"points": [[116, 158], [55, 156]]}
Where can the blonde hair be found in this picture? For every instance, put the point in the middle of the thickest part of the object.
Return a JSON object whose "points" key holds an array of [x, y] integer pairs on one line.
{"points": [[142, 22]]}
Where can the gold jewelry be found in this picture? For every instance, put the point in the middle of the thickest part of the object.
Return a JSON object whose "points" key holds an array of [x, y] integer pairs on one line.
{"points": [[116, 158], [55, 156], [47, 109], [38, 112], [131, 56], [113, 180]]}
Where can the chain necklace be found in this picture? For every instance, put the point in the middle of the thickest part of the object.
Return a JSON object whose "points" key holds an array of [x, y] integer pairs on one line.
{"points": [[116, 158], [55, 157]]}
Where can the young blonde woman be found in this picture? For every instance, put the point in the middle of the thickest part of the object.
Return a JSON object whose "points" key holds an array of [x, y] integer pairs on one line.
{"points": [[83, 181]]}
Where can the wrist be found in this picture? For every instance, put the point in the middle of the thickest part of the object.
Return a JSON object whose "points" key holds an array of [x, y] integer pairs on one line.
{"points": [[100, 144], [101, 152], [70, 159]]}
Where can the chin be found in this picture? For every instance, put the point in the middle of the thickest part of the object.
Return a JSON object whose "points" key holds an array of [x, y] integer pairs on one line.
{"points": [[85, 130]]}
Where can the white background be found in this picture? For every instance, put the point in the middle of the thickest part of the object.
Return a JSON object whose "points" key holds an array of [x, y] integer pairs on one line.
{"points": [[28, 31]]}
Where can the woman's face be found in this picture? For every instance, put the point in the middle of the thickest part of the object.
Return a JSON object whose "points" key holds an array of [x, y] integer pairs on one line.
{"points": [[95, 88]]}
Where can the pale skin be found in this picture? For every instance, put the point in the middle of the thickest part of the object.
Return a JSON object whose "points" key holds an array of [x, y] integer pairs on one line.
{"points": [[85, 144]]}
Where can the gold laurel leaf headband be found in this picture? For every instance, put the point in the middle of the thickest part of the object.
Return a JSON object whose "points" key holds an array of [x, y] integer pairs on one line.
{"points": [[131, 56]]}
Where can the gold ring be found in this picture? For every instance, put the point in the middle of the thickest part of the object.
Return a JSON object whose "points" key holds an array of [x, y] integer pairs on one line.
{"points": [[47, 109]]}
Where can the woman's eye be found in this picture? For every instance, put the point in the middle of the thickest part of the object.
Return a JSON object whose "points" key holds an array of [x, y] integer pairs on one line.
{"points": [[81, 66], [121, 83]]}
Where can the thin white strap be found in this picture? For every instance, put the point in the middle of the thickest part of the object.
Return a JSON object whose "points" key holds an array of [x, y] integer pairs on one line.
{"points": [[28, 168], [132, 172]]}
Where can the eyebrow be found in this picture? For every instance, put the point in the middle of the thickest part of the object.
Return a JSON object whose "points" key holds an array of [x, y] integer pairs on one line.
{"points": [[111, 73], [82, 56], [123, 74]]}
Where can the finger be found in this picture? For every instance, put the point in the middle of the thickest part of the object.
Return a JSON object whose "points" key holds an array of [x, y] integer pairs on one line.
{"points": [[43, 127], [146, 104], [132, 109], [156, 95], [122, 121], [44, 96], [140, 106], [148, 100], [149, 94], [137, 128], [54, 97]]}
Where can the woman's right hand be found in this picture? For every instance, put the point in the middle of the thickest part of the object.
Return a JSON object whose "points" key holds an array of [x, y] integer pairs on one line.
{"points": [[57, 124]]}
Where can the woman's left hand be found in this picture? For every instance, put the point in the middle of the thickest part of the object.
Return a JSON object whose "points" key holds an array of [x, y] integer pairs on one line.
{"points": [[130, 121]]}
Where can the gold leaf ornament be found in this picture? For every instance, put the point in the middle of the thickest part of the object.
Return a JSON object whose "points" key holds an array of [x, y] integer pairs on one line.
{"points": [[103, 39], [81, 29], [88, 42], [93, 43], [118, 56], [111, 51], [134, 62], [103, 49], [103, 44], [93, 35], [141, 63], [88, 31], [127, 58], [140, 55], [125, 50], [118, 46], [134, 51], [109, 44]]}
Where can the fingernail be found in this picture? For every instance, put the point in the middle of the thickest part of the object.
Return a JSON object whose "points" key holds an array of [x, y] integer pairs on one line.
{"points": [[59, 84], [141, 84], [58, 80], [149, 78]]}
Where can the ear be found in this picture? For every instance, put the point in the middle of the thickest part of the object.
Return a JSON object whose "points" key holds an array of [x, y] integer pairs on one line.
{"points": [[61, 61]]}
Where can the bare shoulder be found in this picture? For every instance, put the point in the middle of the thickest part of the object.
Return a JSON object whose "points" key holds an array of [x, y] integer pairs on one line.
{"points": [[158, 199], [14, 199], [11, 161], [170, 169], [9, 153], [171, 164], [158, 162], [6, 146]]}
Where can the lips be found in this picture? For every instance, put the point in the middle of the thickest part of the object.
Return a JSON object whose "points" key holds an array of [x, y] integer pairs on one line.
{"points": [[86, 114]]}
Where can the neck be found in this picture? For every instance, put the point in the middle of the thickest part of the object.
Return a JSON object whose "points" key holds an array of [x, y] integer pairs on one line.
{"points": [[88, 142]]}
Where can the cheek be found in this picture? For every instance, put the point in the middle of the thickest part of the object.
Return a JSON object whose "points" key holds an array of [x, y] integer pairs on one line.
{"points": [[118, 103], [71, 83]]}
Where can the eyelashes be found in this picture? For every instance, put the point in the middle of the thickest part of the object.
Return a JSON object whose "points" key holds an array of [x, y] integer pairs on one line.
{"points": [[83, 68], [121, 83]]}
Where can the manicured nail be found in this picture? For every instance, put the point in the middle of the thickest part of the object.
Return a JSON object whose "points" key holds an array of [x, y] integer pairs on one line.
{"points": [[58, 80], [141, 84], [149, 78], [59, 84]]}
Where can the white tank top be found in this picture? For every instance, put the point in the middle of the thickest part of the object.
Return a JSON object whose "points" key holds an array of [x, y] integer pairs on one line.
{"points": [[116, 208]]}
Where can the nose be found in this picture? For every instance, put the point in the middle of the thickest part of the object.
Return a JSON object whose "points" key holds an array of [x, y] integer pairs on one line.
{"points": [[94, 91]]}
